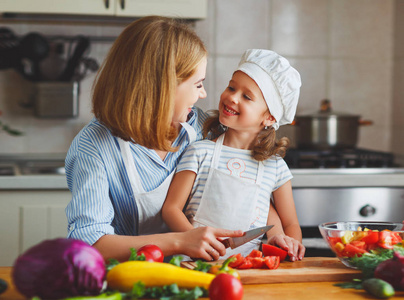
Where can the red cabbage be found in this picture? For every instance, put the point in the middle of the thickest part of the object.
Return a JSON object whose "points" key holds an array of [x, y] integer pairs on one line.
{"points": [[392, 271], [59, 268]]}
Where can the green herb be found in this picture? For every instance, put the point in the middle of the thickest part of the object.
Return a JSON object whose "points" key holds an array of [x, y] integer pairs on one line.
{"points": [[176, 261], [354, 284], [134, 256], [9, 130], [202, 266], [112, 262], [368, 262], [166, 292]]}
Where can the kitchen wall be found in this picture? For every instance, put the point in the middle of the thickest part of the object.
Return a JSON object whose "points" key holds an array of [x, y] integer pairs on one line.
{"points": [[397, 143], [349, 51]]}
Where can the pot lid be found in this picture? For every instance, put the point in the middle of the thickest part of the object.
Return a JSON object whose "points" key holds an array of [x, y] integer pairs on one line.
{"points": [[326, 111]]}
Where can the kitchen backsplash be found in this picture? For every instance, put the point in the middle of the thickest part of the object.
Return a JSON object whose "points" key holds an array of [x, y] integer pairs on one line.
{"points": [[349, 51]]}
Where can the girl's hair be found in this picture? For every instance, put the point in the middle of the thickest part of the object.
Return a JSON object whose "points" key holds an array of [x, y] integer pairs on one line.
{"points": [[265, 144], [134, 91]]}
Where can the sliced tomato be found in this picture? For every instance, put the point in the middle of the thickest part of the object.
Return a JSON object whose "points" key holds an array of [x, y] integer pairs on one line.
{"points": [[239, 260], [269, 250], [257, 262], [387, 239], [350, 250], [247, 264], [272, 262], [255, 253], [371, 238], [359, 244]]}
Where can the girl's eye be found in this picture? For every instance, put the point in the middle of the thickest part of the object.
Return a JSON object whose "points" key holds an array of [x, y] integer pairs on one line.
{"points": [[231, 88], [199, 86], [247, 97]]}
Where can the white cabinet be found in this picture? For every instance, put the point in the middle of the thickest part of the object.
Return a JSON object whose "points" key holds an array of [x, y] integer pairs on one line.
{"points": [[28, 217], [89, 7], [192, 9]]}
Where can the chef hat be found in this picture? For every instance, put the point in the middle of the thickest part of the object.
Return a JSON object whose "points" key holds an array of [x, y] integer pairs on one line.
{"points": [[278, 80]]}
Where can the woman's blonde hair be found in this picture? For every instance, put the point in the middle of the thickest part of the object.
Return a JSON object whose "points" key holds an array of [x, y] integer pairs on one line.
{"points": [[134, 92], [265, 144]]}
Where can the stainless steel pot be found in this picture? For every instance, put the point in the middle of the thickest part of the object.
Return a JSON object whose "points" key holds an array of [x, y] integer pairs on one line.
{"points": [[327, 129]]}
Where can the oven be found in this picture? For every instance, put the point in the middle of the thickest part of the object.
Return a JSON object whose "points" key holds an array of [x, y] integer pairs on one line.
{"points": [[343, 185]]}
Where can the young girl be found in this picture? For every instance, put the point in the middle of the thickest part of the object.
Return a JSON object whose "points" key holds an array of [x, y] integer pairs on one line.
{"points": [[228, 183]]}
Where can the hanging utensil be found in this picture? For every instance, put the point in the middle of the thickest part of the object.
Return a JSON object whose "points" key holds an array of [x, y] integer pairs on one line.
{"points": [[82, 45], [33, 48], [9, 57]]}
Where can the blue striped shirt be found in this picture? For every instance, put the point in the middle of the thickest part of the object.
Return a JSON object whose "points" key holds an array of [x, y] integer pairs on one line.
{"points": [[102, 199]]}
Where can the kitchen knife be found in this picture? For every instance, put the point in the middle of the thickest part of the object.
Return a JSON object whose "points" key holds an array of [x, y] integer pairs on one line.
{"points": [[249, 235]]}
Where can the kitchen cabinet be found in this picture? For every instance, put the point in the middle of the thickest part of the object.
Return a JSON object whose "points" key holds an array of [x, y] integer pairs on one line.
{"points": [[190, 9], [28, 217]]}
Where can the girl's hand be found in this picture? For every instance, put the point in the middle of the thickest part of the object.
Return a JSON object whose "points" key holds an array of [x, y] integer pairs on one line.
{"points": [[204, 242], [295, 249]]}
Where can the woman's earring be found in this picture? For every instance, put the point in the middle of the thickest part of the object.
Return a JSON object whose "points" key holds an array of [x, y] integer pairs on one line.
{"points": [[266, 127]]}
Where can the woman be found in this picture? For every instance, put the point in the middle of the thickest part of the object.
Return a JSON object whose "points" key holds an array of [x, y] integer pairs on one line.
{"points": [[120, 165]]}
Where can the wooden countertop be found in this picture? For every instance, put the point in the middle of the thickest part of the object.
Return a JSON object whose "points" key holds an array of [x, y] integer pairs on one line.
{"points": [[281, 291]]}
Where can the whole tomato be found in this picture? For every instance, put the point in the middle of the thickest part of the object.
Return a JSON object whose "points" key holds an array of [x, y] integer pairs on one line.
{"points": [[225, 287], [152, 253]]}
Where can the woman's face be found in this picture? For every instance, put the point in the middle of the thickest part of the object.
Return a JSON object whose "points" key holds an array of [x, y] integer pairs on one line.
{"points": [[188, 92]]}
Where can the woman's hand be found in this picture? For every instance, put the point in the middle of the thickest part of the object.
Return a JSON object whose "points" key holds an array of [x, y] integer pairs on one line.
{"points": [[204, 242], [295, 249]]}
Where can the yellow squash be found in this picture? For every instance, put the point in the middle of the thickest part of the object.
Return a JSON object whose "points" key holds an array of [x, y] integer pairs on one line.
{"points": [[123, 276]]}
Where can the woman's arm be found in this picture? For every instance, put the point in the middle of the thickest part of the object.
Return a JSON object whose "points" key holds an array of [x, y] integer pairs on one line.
{"points": [[177, 196], [197, 243]]}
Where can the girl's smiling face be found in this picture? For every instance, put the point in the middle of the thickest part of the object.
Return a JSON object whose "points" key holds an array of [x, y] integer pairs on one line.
{"points": [[188, 92], [242, 105]]}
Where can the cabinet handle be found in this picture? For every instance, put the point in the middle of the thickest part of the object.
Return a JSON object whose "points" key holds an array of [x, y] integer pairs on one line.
{"points": [[123, 4], [106, 4]]}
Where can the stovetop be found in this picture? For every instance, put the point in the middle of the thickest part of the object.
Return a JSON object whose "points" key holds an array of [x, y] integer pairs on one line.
{"points": [[338, 159]]}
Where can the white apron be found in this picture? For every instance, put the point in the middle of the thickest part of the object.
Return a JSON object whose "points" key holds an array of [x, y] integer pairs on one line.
{"points": [[229, 201], [149, 204]]}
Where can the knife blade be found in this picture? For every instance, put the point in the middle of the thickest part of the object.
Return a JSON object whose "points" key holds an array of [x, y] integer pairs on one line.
{"points": [[249, 235]]}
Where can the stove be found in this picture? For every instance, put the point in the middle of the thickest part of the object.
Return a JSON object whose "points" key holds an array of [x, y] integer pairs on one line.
{"points": [[343, 185], [345, 158]]}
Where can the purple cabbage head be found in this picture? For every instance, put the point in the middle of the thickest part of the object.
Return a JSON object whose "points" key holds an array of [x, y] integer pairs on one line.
{"points": [[392, 271], [59, 268]]}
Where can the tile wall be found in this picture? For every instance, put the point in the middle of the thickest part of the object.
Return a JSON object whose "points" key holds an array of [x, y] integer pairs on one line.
{"points": [[350, 51], [397, 143]]}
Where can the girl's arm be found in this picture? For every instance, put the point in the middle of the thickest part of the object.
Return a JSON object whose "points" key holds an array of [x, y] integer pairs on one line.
{"points": [[177, 196], [285, 206], [285, 213]]}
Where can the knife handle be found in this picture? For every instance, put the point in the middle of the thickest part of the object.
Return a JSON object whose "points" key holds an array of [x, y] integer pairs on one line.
{"points": [[226, 243]]}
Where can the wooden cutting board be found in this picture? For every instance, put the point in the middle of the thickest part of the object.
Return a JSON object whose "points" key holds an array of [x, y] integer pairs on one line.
{"points": [[309, 269]]}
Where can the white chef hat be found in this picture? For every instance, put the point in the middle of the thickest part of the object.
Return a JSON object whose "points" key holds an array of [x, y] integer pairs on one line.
{"points": [[278, 80]]}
